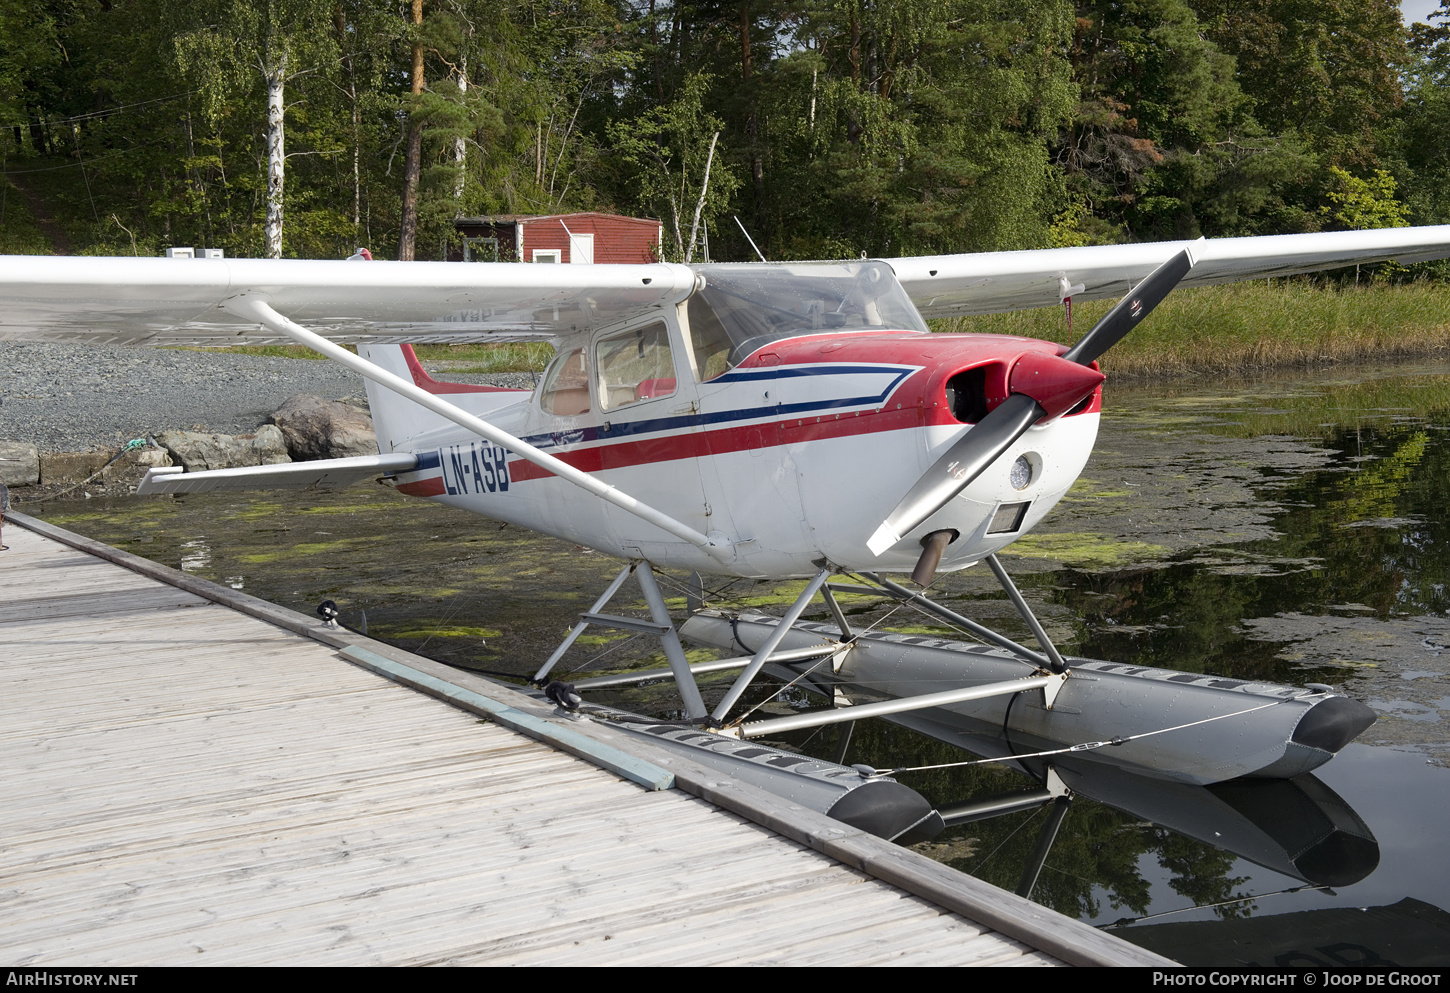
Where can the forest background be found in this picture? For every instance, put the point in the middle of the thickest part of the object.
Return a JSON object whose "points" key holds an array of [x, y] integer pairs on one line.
{"points": [[831, 128]]}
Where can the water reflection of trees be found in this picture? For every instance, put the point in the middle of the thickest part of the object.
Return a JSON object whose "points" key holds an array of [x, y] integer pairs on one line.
{"points": [[1368, 530]]}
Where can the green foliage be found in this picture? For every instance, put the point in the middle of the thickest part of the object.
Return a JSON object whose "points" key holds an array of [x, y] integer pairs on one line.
{"points": [[1164, 143], [1327, 70], [845, 126], [1425, 122], [19, 234], [28, 53], [1361, 204], [667, 151]]}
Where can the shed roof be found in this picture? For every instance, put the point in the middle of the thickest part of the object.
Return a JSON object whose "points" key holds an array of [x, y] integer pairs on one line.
{"points": [[515, 218]]}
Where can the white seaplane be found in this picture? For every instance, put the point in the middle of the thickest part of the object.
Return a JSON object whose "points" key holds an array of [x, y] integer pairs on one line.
{"points": [[762, 420]]}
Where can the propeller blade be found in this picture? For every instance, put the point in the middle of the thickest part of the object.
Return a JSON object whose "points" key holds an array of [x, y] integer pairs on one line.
{"points": [[1137, 305], [954, 471], [1009, 420]]}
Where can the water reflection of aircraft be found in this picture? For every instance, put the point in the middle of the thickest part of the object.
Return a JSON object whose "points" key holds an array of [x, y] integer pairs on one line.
{"points": [[781, 421], [1297, 827]]}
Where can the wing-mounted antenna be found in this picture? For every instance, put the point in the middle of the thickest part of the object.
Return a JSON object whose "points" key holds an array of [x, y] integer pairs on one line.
{"points": [[1066, 290], [758, 252]]}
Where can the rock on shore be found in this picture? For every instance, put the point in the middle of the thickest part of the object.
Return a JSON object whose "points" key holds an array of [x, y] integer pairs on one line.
{"points": [[315, 428], [66, 410], [19, 464], [198, 451]]}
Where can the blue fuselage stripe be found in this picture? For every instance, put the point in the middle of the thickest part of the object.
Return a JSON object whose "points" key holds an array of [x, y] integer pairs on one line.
{"points": [[625, 429]]}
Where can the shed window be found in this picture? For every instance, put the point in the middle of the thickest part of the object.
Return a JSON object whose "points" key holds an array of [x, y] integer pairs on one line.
{"points": [[480, 249]]}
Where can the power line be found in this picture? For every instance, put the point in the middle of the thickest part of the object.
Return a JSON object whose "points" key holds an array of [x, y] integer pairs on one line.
{"points": [[68, 165], [98, 113]]}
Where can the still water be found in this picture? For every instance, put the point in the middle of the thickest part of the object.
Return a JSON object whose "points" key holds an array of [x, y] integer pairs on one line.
{"points": [[1291, 529]]}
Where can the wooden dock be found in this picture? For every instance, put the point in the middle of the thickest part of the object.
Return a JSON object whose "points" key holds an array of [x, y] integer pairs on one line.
{"points": [[196, 777]]}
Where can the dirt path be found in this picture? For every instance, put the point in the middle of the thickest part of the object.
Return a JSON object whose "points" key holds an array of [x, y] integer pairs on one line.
{"points": [[59, 243]]}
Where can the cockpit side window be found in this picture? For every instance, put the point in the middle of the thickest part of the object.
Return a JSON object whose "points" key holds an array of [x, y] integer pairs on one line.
{"points": [[635, 366], [566, 386], [709, 340]]}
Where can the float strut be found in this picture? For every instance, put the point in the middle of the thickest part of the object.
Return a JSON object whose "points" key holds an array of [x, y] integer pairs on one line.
{"points": [[837, 613], [843, 742], [1044, 845], [742, 682], [980, 630], [698, 668], [599, 605], [1058, 665], [992, 806], [899, 705], [674, 651], [660, 626]]}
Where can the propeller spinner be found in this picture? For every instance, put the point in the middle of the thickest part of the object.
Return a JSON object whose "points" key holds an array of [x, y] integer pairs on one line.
{"points": [[1041, 386]]}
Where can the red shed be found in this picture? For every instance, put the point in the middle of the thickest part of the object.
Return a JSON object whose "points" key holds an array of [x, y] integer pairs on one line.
{"points": [[586, 237]]}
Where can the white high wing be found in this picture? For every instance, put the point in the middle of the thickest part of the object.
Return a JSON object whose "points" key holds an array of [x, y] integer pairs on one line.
{"points": [[785, 420], [847, 360]]}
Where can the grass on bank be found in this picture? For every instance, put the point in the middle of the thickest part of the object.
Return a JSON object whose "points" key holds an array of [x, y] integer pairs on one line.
{"points": [[1249, 326], [1219, 329], [439, 360]]}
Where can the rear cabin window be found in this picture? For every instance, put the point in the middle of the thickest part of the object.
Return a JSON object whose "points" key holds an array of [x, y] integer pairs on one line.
{"points": [[634, 366], [566, 386]]}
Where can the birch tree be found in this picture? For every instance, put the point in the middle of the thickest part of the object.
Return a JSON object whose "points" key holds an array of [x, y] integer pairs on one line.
{"points": [[672, 156], [277, 40]]}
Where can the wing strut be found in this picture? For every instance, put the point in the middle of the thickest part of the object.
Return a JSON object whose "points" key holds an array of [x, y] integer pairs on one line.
{"points": [[255, 308]]}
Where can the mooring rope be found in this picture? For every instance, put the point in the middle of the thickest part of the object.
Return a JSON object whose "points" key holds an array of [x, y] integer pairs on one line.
{"points": [[130, 445]]}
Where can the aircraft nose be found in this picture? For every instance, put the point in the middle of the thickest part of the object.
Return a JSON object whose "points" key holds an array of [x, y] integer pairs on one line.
{"points": [[1056, 383]]}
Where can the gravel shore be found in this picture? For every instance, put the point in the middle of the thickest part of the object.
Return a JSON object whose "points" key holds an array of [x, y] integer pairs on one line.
{"points": [[73, 398]]}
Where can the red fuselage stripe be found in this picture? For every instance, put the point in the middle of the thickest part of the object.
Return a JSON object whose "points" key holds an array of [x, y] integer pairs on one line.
{"points": [[733, 439], [423, 487], [699, 444]]}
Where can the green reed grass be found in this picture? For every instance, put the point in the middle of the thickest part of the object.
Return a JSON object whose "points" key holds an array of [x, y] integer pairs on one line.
{"points": [[1250, 326], [438, 359], [1324, 406], [529, 356]]}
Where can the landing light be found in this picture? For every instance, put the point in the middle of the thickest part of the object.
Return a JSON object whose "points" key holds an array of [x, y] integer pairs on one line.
{"points": [[1021, 474]]}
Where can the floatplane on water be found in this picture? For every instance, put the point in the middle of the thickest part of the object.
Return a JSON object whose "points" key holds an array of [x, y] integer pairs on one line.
{"points": [[783, 421]]}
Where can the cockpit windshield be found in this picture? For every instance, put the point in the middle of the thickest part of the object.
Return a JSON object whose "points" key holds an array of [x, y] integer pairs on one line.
{"points": [[743, 307]]}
